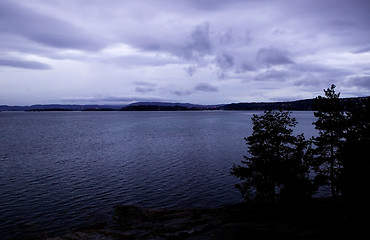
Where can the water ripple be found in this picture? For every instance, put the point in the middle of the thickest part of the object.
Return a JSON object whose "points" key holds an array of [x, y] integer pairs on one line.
{"points": [[59, 169]]}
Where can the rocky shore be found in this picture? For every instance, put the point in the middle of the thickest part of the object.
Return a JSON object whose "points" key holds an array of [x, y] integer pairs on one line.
{"points": [[318, 219]]}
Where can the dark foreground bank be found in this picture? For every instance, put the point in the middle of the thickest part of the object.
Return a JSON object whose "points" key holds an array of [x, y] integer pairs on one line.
{"points": [[317, 219]]}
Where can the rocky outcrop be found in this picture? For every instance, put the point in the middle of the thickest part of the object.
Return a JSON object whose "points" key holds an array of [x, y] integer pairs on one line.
{"points": [[132, 222], [232, 222]]}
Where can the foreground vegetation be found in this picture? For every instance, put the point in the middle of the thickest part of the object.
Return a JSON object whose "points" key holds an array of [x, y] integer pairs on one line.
{"points": [[282, 167]]}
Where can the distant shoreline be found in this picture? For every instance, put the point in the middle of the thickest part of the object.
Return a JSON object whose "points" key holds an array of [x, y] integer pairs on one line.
{"points": [[299, 105]]}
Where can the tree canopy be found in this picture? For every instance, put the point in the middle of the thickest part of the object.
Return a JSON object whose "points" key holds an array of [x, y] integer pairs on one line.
{"points": [[331, 124], [280, 165], [275, 167], [354, 180]]}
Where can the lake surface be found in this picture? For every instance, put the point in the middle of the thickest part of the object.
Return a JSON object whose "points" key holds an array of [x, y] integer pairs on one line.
{"points": [[61, 169]]}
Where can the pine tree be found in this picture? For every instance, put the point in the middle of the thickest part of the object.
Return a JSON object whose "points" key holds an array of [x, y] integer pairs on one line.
{"points": [[354, 180], [275, 168], [331, 123]]}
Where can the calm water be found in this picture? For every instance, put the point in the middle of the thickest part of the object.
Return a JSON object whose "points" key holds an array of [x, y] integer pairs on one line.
{"points": [[61, 169]]}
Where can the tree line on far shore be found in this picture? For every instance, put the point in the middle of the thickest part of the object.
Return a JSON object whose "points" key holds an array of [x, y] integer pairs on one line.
{"points": [[282, 167]]}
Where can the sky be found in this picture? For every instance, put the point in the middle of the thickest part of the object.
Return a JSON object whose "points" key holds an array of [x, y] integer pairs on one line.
{"points": [[196, 51]]}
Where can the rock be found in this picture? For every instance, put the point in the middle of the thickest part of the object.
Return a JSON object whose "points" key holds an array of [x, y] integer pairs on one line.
{"points": [[238, 221], [128, 215]]}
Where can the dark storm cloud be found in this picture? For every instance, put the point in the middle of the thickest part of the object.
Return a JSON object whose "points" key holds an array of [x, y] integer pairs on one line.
{"points": [[246, 67], [225, 61], [273, 56], [205, 87], [44, 29], [195, 45], [200, 43], [192, 47], [16, 63]]}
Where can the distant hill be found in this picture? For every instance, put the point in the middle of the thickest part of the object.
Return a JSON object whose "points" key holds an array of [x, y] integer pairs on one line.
{"points": [[156, 108], [167, 106], [299, 105], [61, 107], [188, 105]]}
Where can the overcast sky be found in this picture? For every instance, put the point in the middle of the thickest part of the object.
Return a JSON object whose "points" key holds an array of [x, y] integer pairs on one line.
{"points": [[197, 51]]}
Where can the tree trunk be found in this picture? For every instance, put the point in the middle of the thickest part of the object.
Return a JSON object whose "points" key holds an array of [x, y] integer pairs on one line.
{"points": [[332, 185]]}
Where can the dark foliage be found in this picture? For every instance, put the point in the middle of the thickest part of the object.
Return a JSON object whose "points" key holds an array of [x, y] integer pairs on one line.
{"points": [[354, 154], [276, 168], [279, 163], [301, 105], [331, 124]]}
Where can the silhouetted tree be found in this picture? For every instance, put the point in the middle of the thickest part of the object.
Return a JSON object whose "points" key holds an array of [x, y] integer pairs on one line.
{"points": [[354, 154], [276, 167], [331, 123]]}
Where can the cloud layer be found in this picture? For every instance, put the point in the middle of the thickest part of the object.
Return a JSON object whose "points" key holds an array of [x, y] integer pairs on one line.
{"points": [[185, 51]]}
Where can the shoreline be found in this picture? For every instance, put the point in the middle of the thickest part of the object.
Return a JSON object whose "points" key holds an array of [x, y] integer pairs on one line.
{"points": [[318, 218]]}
